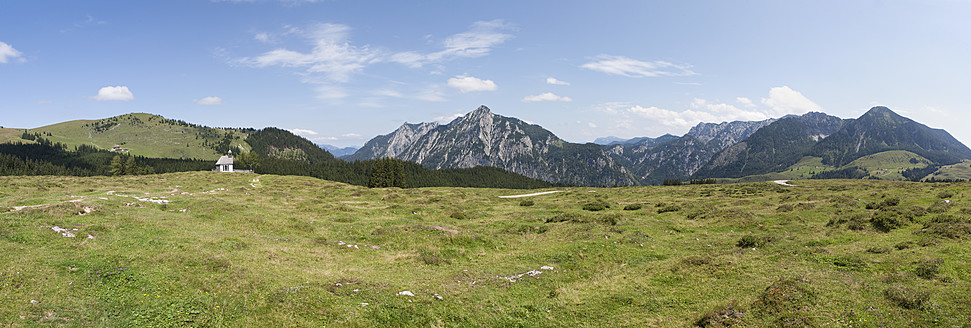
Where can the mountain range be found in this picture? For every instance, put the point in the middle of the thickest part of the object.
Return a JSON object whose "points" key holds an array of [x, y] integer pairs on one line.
{"points": [[878, 144], [709, 150]]}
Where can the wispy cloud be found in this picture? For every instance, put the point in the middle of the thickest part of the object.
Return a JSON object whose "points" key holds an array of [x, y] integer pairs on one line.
{"points": [[114, 93], [624, 66], [209, 101], [468, 83], [303, 132], [554, 81], [332, 55], [7, 52], [478, 41], [447, 118], [549, 96]]}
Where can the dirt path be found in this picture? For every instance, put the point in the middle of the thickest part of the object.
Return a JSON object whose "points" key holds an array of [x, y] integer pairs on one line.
{"points": [[784, 183], [533, 194]]}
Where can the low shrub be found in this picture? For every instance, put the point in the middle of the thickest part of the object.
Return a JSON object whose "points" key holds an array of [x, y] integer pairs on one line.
{"points": [[886, 203], [939, 207], [906, 297], [948, 226], [878, 249], [786, 295], [928, 269], [904, 245], [750, 241], [785, 208], [945, 194], [566, 217], [459, 215], [593, 207], [665, 207], [885, 220], [632, 207], [526, 203], [722, 316], [611, 219]]}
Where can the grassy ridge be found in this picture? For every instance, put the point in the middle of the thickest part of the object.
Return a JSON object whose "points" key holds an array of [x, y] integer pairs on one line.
{"points": [[245, 249], [145, 135]]}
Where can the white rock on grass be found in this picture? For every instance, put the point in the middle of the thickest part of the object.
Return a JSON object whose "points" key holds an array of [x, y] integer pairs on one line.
{"points": [[406, 293]]}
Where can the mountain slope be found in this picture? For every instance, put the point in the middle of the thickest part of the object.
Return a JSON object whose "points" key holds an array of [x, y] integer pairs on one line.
{"points": [[772, 148], [147, 135], [481, 138], [670, 157], [880, 129]]}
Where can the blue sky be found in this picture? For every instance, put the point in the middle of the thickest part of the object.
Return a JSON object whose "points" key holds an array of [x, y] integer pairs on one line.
{"points": [[341, 72]]}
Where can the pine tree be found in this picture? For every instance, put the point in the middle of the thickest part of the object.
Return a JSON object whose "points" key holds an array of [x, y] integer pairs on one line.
{"points": [[118, 165]]}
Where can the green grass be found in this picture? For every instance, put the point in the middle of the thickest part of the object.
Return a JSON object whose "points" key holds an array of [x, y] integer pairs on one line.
{"points": [[150, 136], [252, 250], [11, 135], [889, 164], [957, 171]]}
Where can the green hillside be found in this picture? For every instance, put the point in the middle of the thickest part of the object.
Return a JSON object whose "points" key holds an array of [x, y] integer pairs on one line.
{"points": [[889, 165], [147, 135], [959, 171], [214, 249]]}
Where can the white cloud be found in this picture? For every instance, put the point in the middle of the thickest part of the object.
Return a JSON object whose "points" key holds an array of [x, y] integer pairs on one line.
{"points": [[447, 118], [351, 135], [680, 120], [7, 53], [554, 81], [549, 96], [784, 100], [332, 54], [45, 102], [262, 37], [726, 112], [302, 132], [478, 41], [468, 83], [209, 101], [620, 65], [592, 125], [745, 101], [114, 93]]}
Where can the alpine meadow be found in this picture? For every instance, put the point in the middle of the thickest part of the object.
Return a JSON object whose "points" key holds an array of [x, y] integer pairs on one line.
{"points": [[623, 163]]}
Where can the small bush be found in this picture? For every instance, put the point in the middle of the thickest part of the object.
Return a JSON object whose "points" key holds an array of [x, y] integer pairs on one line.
{"points": [[722, 316], [849, 262], [945, 194], [786, 295], [665, 207], [939, 207], [567, 217], [886, 203], [949, 226], [928, 269], [611, 219], [904, 245], [887, 220], [459, 215], [526, 203], [878, 249], [785, 208], [632, 207], [593, 207], [906, 297], [750, 241]]}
